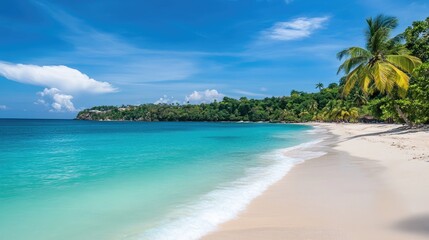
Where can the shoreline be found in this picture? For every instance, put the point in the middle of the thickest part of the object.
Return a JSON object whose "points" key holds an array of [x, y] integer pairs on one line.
{"points": [[371, 184], [225, 203]]}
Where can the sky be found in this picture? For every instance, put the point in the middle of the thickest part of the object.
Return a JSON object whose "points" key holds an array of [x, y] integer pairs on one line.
{"points": [[59, 57]]}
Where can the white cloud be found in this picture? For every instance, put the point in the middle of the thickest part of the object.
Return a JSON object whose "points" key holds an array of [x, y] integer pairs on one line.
{"points": [[206, 96], [162, 100], [3, 107], [166, 100], [59, 102], [247, 93], [59, 81], [296, 29], [41, 102], [60, 77]]}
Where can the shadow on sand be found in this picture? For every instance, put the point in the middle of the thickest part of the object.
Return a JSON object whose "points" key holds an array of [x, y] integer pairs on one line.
{"points": [[398, 130], [416, 224]]}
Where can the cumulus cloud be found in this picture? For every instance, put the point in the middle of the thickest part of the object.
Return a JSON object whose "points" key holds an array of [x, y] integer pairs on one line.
{"points": [[59, 82], [60, 77], [58, 101], [166, 100], [162, 100], [206, 96], [296, 29], [3, 107]]}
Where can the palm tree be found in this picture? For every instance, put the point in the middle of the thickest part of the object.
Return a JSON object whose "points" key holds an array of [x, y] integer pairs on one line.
{"points": [[319, 86], [312, 106], [339, 111], [384, 65]]}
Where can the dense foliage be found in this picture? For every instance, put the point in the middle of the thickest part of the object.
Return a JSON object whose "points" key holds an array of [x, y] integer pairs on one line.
{"points": [[415, 105], [298, 107], [417, 39], [328, 104]]}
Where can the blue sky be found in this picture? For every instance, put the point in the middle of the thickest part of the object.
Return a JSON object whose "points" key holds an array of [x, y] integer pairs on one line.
{"points": [[57, 57]]}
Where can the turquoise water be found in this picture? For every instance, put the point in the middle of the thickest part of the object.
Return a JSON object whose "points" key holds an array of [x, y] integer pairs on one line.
{"points": [[65, 179]]}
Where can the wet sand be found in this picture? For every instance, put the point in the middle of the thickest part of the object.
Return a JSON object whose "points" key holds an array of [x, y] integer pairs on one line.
{"points": [[373, 183]]}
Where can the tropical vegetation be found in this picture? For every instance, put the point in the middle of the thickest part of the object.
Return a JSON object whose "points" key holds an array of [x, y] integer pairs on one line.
{"points": [[386, 81], [384, 66]]}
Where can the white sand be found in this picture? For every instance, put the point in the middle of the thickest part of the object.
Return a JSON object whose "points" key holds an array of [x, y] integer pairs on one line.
{"points": [[372, 184]]}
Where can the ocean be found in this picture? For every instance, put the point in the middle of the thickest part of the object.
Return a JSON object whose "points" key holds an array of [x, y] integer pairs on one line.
{"points": [[66, 179]]}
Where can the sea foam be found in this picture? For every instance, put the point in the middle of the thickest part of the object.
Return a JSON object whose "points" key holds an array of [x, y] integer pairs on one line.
{"points": [[225, 203]]}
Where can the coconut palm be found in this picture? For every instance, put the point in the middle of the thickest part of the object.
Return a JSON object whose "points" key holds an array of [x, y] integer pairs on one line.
{"points": [[312, 106], [339, 111], [384, 65], [319, 86]]}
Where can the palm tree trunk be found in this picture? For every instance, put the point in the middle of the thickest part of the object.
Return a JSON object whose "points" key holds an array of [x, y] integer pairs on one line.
{"points": [[403, 115]]}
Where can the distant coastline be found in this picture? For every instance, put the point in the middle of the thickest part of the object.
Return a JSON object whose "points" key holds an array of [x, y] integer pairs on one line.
{"points": [[324, 106]]}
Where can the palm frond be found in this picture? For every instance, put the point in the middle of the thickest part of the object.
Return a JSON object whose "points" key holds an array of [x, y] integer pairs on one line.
{"points": [[352, 78], [382, 74], [406, 63], [365, 81], [401, 80], [359, 52], [381, 21], [353, 52], [343, 53], [398, 38], [351, 63], [379, 29], [377, 41]]}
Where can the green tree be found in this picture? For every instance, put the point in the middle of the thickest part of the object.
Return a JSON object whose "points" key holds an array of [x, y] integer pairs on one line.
{"points": [[416, 104], [417, 39], [384, 65], [319, 86]]}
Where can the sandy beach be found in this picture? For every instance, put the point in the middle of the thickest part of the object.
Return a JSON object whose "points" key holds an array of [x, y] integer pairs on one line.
{"points": [[372, 183]]}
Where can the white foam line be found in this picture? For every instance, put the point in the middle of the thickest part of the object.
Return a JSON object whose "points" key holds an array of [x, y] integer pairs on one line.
{"points": [[226, 203]]}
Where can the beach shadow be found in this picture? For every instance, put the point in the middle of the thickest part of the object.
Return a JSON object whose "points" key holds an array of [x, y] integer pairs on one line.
{"points": [[398, 131], [417, 225]]}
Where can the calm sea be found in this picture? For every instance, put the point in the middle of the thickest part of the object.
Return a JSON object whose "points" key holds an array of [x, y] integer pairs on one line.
{"points": [[65, 179]]}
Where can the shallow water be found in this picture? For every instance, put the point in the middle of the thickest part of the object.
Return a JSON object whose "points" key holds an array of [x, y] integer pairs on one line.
{"points": [[65, 179]]}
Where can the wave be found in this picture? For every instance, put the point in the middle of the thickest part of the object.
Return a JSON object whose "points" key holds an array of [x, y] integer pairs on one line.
{"points": [[225, 203]]}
